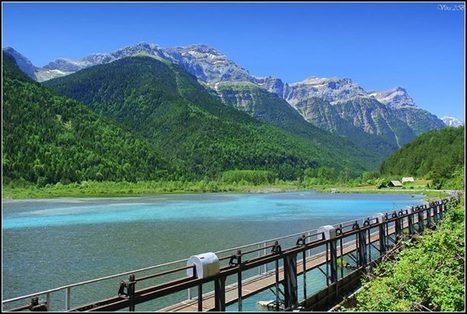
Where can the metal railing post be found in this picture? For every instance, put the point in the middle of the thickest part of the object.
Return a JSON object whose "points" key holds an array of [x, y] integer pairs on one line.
{"points": [[411, 225], [131, 292], [276, 249], [421, 221], [327, 263], [361, 240], [219, 294], [200, 298], [428, 217], [382, 235], [259, 255], [442, 208], [239, 281], [398, 225], [333, 255], [302, 241], [67, 298], [47, 299], [290, 281]]}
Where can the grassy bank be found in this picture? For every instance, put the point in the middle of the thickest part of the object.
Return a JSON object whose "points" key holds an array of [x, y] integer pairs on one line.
{"points": [[109, 189], [427, 275], [419, 187], [146, 188]]}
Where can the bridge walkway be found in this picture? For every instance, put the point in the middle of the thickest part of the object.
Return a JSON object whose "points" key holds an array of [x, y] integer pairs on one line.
{"points": [[264, 281]]}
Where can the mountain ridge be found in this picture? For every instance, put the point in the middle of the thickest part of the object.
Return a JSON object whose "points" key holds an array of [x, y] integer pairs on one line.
{"points": [[210, 67], [170, 107], [49, 139]]}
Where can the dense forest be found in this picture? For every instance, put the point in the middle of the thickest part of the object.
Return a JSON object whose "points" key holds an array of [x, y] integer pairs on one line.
{"points": [[49, 139], [173, 111], [436, 155]]}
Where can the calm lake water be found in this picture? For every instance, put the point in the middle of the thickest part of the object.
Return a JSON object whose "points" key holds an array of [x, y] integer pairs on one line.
{"points": [[49, 243]]}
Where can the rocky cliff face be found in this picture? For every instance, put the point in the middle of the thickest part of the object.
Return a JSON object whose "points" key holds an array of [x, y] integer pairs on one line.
{"points": [[332, 90], [273, 84], [269, 107], [395, 98], [391, 115], [207, 64]]}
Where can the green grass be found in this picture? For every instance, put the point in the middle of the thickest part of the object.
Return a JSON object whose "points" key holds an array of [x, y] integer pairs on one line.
{"points": [[417, 187], [143, 188], [109, 189]]}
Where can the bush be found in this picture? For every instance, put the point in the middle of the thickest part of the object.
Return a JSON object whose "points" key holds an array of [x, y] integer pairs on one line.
{"points": [[249, 176], [427, 275]]}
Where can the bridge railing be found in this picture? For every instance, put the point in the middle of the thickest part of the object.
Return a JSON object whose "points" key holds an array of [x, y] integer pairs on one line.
{"points": [[257, 255]]}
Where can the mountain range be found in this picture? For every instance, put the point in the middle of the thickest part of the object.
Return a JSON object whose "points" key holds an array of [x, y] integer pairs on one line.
{"points": [[374, 123], [390, 115], [153, 108]]}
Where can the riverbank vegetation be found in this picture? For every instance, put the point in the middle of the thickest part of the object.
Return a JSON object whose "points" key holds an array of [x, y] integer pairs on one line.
{"points": [[26, 190], [427, 275], [141, 188]]}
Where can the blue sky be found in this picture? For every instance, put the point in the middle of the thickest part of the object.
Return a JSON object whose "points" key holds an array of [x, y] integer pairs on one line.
{"points": [[419, 46]]}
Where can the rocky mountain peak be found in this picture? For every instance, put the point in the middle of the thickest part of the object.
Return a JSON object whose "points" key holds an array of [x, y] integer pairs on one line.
{"points": [[207, 64], [201, 48], [334, 90], [273, 84], [23, 63], [396, 98]]}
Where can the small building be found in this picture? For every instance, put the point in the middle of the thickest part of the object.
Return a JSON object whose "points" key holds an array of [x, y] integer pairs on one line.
{"points": [[407, 179], [395, 183]]}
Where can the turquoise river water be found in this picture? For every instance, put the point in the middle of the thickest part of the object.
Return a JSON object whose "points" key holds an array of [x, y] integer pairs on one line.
{"points": [[54, 242]]}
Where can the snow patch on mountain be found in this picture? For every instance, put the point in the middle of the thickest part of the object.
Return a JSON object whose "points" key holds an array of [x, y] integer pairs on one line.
{"points": [[451, 121]]}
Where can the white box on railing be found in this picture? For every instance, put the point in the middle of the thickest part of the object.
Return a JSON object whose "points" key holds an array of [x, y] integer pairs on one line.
{"points": [[378, 217], [206, 264], [329, 232]]}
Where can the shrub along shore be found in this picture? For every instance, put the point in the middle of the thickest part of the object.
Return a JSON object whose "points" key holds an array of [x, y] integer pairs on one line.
{"points": [[427, 275], [147, 188]]}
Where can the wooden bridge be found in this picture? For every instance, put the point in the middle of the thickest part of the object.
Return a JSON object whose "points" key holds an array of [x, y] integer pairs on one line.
{"points": [[312, 250]]}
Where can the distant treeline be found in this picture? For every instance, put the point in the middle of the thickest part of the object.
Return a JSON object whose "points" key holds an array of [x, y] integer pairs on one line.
{"points": [[437, 155]]}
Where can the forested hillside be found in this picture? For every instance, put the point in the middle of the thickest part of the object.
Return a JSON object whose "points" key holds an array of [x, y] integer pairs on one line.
{"points": [[49, 139], [172, 110], [437, 155]]}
